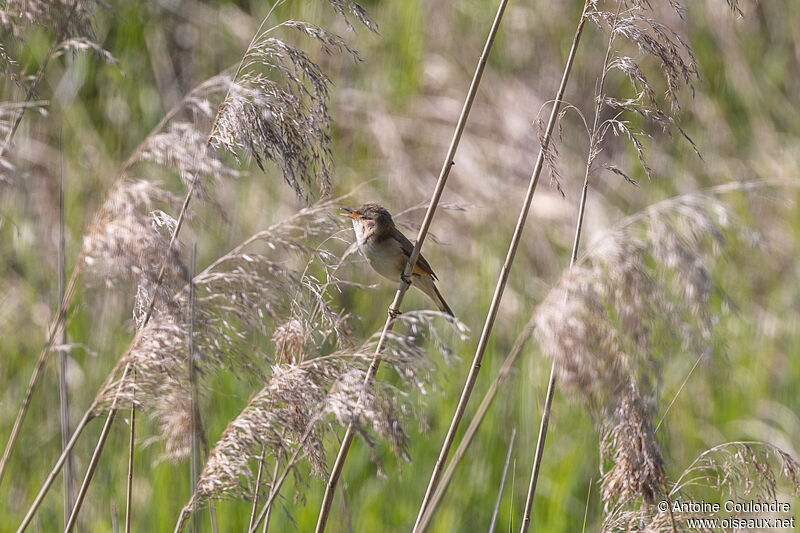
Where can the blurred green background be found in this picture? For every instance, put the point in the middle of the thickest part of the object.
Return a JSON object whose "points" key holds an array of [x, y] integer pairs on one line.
{"points": [[394, 114]]}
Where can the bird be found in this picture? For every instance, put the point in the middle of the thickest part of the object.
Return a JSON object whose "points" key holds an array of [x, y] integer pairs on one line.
{"points": [[387, 250]]}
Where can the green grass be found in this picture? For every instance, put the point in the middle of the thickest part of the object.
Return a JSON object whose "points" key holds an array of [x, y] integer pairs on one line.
{"points": [[751, 377]]}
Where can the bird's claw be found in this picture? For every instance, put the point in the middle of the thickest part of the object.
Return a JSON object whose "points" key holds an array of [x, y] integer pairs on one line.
{"points": [[405, 278], [394, 313]]}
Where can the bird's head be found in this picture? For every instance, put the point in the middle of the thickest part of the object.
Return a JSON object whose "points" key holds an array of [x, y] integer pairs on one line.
{"points": [[370, 217]]}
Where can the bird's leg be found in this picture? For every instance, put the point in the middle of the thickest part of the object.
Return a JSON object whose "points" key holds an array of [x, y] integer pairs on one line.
{"points": [[405, 278]]}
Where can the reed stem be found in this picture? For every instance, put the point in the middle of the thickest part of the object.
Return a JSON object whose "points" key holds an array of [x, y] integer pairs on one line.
{"points": [[502, 280], [394, 308]]}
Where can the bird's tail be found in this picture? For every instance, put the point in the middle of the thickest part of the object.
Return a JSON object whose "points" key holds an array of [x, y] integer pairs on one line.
{"points": [[443, 307], [428, 286]]}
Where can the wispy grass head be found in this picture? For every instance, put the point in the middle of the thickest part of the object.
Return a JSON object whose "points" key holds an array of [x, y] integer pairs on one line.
{"points": [[640, 296], [68, 18], [742, 471], [302, 401], [128, 241], [276, 108]]}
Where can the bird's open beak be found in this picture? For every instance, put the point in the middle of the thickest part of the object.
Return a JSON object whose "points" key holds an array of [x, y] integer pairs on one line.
{"points": [[349, 213]]}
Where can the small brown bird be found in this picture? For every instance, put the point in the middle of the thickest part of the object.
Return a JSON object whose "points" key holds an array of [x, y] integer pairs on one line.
{"points": [[387, 250]]}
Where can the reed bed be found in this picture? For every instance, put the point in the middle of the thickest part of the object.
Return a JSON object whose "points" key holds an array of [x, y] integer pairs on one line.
{"points": [[171, 178]]}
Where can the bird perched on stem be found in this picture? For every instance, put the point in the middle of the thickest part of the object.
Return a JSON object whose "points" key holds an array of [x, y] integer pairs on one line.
{"points": [[387, 250]]}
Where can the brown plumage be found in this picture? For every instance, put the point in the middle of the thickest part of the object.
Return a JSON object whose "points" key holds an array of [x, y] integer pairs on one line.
{"points": [[387, 250]]}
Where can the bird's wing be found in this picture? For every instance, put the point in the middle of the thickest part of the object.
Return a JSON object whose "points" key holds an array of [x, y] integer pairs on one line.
{"points": [[422, 263]]}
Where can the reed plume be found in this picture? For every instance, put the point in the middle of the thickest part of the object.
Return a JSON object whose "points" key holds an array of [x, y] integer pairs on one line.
{"points": [[641, 295], [741, 471]]}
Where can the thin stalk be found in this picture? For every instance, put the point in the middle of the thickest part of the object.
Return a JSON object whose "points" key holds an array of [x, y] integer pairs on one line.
{"points": [[502, 280], [23, 410], [394, 308], [98, 450], [63, 396], [256, 490], [73, 517], [273, 492], [131, 448], [269, 509], [586, 508], [678, 393], [193, 475], [537, 460], [55, 470], [472, 429], [212, 511], [551, 385], [493, 523]]}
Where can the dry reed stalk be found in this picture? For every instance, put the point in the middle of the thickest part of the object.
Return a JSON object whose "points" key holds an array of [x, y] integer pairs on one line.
{"points": [[476, 421], [129, 478], [98, 451], [254, 507], [273, 490], [80, 426], [195, 407], [394, 308], [501, 282], [537, 461]]}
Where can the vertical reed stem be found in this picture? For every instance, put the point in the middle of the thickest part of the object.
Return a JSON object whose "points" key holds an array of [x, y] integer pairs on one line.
{"points": [[195, 426], [48, 482], [256, 490], [394, 308], [537, 460], [472, 429], [501, 282], [98, 451], [63, 396], [131, 443], [269, 507]]}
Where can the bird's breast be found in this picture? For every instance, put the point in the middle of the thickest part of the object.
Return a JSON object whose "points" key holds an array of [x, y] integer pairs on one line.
{"points": [[385, 256]]}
